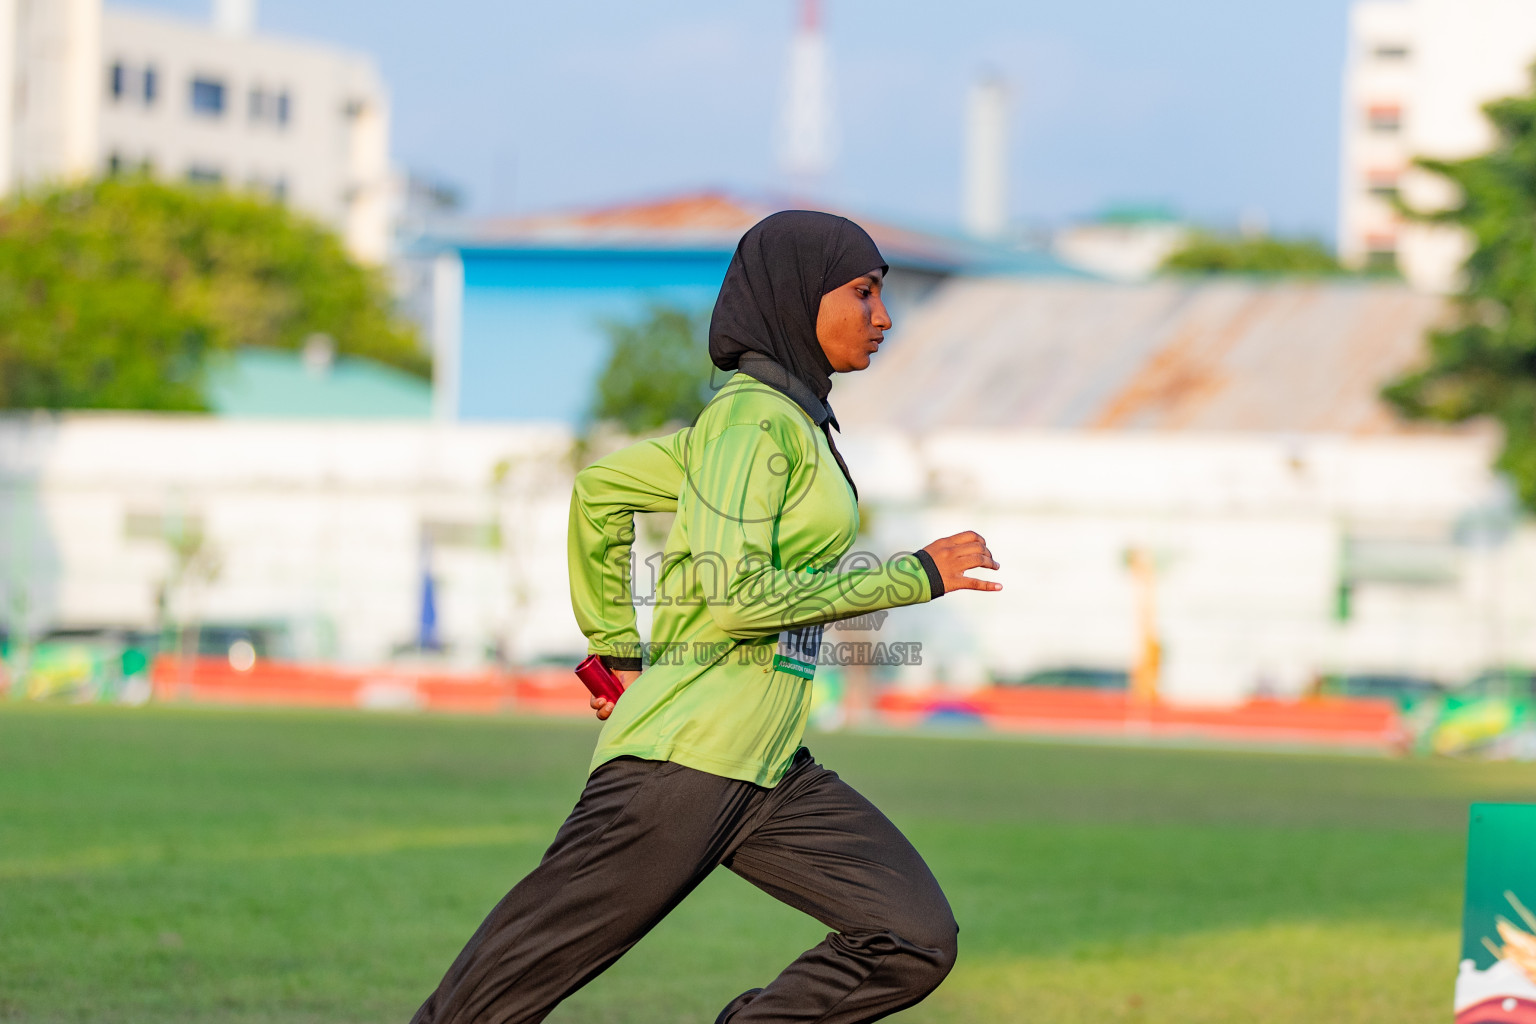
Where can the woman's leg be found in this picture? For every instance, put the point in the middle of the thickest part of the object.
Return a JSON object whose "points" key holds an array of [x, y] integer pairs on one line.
{"points": [[642, 836], [822, 848]]}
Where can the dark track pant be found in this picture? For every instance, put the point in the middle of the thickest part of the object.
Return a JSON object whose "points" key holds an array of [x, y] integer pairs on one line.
{"points": [[645, 833]]}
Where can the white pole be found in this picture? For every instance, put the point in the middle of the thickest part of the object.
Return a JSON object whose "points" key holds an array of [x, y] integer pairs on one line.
{"points": [[447, 329], [805, 149], [985, 197]]}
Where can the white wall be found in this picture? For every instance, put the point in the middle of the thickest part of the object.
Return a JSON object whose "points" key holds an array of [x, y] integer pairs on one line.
{"points": [[1248, 532], [318, 524]]}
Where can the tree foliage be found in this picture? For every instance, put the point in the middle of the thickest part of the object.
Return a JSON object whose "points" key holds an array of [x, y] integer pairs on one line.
{"points": [[1484, 362], [657, 371], [115, 293], [1208, 253]]}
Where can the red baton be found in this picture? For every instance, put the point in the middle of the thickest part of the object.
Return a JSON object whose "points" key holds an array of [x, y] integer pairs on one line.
{"points": [[599, 678]]}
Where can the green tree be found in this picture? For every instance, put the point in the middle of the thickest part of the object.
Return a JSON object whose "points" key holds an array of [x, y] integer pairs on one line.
{"points": [[1208, 253], [113, 294], [657, 371], [1483, 363]]}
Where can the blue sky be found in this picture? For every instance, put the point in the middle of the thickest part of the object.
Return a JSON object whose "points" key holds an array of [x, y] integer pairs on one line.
{"points": [[1211, 106]]}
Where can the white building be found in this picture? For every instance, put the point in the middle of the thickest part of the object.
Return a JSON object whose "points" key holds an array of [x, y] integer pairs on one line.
{"points": [[1417, 74], [86, 90], [1126, 245]]}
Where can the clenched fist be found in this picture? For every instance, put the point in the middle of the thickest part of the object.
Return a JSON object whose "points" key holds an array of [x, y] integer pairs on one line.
{"points": [[604, 708]]}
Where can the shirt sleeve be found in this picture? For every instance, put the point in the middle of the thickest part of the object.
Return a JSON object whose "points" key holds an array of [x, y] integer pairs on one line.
{"points": [[643, 477], [736, 488]]}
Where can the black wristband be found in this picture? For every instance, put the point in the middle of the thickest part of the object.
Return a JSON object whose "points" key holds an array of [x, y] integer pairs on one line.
{"points": [[617, 664], [935, 581]]}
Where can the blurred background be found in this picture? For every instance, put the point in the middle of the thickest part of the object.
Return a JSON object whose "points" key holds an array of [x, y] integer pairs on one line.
{"points": [[1212, 318]]}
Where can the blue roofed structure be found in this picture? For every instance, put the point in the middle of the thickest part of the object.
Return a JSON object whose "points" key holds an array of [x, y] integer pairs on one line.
{"points": [[526, 340], [533, 341]]}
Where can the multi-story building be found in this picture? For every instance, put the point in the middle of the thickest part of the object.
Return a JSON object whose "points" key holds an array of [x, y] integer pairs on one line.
{"points": [[86, 90], [1417, 75]]}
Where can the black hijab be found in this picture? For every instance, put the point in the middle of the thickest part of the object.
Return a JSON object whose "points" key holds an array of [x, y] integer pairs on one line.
{"points": [[772, 292]]}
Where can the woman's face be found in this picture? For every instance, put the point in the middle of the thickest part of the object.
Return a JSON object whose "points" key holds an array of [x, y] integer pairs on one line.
{"points": [[852, 322]]}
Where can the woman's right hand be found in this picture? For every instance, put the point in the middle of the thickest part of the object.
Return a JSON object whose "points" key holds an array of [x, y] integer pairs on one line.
{"points": [[954, 555], [605, 707]]}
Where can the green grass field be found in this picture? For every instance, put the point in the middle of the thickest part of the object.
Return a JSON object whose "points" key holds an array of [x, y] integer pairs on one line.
{"points": [[196, 865]]}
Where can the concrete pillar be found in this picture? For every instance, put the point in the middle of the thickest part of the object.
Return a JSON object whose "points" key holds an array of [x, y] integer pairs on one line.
{"points": [[447, 334]]}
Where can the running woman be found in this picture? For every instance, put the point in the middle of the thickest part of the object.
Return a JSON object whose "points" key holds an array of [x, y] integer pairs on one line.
{"points": [[700, 763]]}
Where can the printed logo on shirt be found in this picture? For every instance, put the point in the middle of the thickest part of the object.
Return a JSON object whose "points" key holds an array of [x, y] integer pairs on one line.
{"points": [[797, 651]]}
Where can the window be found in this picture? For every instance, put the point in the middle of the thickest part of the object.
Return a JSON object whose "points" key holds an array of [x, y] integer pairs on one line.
{"points": [[1382, 184], [1381, 253], [275, 189], [1381, 261], [1391, 51], [117, 79], [202, 174], [150, 85], [1386, 118], [208, 97], [268, 105]]}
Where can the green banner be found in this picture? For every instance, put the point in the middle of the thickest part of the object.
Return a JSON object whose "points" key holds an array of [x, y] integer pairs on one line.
{"points": [[1496, 983]]}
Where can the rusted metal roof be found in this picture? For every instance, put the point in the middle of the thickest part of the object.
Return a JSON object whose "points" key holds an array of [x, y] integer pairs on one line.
{"points": [[718, 220], [1225, 355], [706, 214]]}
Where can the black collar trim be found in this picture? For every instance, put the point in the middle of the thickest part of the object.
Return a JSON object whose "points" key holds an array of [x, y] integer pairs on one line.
{"points": [[767, 371]]}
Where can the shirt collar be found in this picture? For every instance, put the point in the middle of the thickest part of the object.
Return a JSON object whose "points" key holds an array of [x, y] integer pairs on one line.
{"points": [[767, 371]]}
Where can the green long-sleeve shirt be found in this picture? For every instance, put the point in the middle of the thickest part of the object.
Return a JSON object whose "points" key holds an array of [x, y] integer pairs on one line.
{"points": [[747, 579]]}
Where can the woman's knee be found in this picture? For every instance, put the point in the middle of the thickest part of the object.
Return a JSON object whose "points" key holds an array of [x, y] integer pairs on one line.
{"points": [[927, 955], [929, 924], [941, 945]]}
